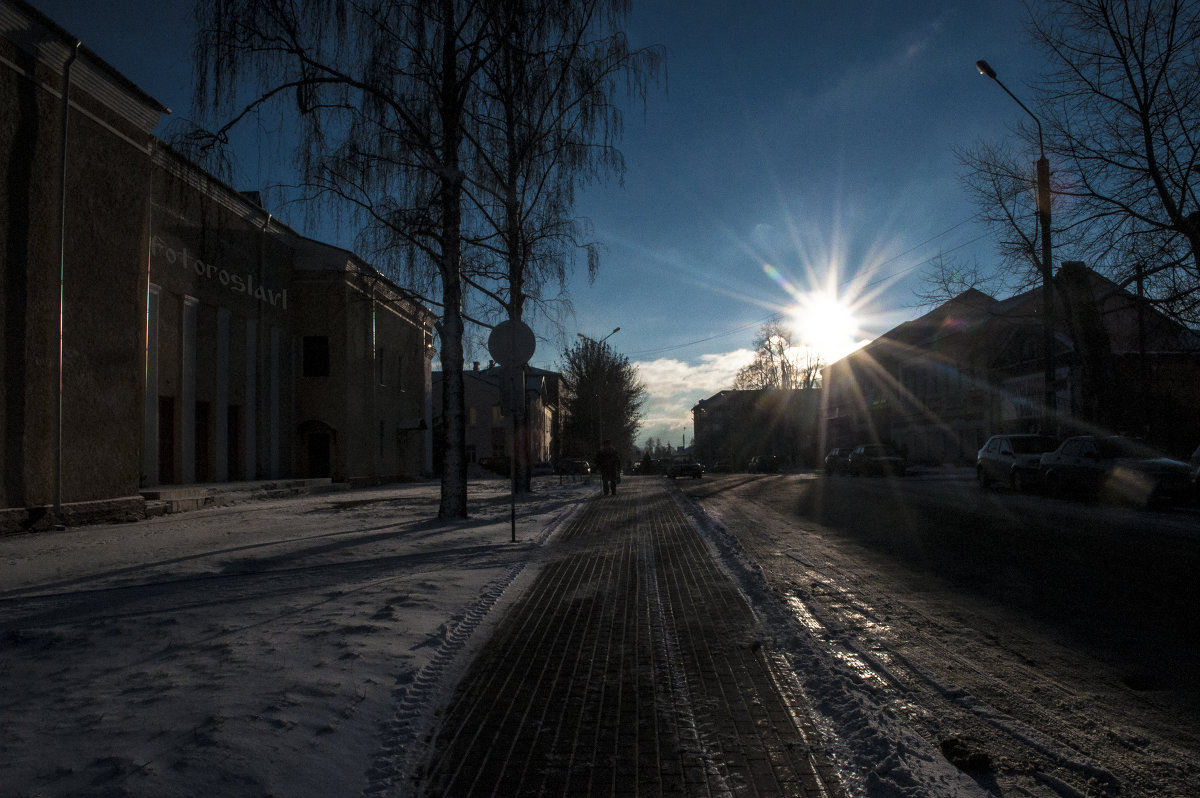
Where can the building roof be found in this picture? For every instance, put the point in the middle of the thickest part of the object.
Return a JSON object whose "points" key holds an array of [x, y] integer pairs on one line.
{"points": [[973, 309], [35, 33]]}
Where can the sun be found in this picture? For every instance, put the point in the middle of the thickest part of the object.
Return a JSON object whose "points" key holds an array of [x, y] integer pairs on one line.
{"points": [[826, 324]]}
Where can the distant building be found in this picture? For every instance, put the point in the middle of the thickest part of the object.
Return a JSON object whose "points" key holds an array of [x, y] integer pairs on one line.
{"points": [[201, 340], [939, 385], [489, 425], [731, 427]]}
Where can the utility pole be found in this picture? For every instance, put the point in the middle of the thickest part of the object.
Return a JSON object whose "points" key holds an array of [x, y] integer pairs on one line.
{"points": [[1049, 392]]}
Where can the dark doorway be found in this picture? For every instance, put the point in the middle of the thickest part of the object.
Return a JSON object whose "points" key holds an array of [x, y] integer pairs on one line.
{"points": [[318, 454], [166, 440], [203, 442], [233, 442]]}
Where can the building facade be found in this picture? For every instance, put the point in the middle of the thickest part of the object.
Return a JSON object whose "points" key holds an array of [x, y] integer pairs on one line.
{"points": [[731, 427], [185, 347], [489, 424], [938, 386], [75, 186]]}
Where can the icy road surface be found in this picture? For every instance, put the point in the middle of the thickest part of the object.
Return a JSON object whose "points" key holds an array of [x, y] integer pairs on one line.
{"points": [[1042, 647]]}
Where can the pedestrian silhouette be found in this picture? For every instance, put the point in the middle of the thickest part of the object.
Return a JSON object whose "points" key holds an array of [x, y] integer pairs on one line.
{"points": [[609, 463]]}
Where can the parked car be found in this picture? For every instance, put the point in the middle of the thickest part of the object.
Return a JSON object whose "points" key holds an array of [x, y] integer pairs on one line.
{"points": [[722, 466], [1013, 460], [764, 464], [647, 466], [876, 459], [574, 465], [1196, 475], [1115, 468], [497, 464], [685, 467], [838, 461], [542, 469]]}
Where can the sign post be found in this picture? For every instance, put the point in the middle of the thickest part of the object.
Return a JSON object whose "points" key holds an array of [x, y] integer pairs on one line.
{"points": [[512, 343]]}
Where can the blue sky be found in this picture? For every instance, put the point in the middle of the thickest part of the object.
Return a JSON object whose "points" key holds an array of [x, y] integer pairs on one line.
{"points": [[815, 137]]}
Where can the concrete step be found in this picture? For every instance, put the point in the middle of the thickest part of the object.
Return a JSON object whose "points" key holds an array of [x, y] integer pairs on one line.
{"points": [[184, 498]]}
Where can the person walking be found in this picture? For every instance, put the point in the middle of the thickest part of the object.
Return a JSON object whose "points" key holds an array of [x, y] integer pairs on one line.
{"points": [[609, 463]]}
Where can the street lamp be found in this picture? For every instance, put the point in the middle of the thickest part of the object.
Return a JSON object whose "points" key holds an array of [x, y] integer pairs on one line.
{"points": [[602, 340], [1043, 203]]}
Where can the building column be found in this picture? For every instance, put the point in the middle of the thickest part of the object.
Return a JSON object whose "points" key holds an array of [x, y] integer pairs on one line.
{"points": [[150, 411], [221, 400], [187, 409], [275, 410], [251, 419]]}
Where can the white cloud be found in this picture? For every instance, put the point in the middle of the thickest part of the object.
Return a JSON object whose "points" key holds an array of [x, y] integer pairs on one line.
{"points": [[673, 388]]}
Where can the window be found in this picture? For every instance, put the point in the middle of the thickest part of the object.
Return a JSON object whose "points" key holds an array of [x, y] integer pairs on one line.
{"points": [[400, 373], [472, 418], [379, 367], [315, 356]]}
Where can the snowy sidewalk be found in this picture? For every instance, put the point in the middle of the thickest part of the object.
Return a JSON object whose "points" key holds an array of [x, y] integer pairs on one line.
{"points": [[270, 648], [632, 665]]}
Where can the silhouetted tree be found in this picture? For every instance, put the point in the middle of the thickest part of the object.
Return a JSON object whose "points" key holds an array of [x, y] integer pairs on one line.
{"points": [[603, 398], [942, 280], [454, 130], [778, 362], [1120, 109], [545, 123]]}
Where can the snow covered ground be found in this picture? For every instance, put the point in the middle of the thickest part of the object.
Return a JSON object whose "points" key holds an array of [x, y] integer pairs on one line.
{"points": [[303, 647], [289, 648]]}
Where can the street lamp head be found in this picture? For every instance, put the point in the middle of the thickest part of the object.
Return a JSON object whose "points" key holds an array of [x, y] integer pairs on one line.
{"points": [[985, 70]]}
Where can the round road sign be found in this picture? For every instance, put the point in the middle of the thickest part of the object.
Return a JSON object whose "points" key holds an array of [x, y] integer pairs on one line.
{"points": [[512, 343]]}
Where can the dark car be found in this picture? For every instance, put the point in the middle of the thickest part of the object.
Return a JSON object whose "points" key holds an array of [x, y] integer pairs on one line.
{"points": [[876, 459], [574, 465], [685, 467], [648, 466], [497, 464], [838, 461], [1115, 468], [1013, 460], [764, 464], [1196, 475]]}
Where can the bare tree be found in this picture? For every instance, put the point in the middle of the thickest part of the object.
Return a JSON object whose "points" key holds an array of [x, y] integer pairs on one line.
{"points": [[943, 279], [546, 122], [376, 92], [1120, 107], [455, 131], [778, 362]]}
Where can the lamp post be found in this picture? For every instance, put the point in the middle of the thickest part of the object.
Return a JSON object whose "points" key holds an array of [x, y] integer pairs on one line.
{"points": [[602, 340], [1049, 396]]}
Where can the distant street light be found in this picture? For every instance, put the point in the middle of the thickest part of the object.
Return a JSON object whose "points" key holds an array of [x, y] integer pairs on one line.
{"points": [[602, 340], [1049, 396]]}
